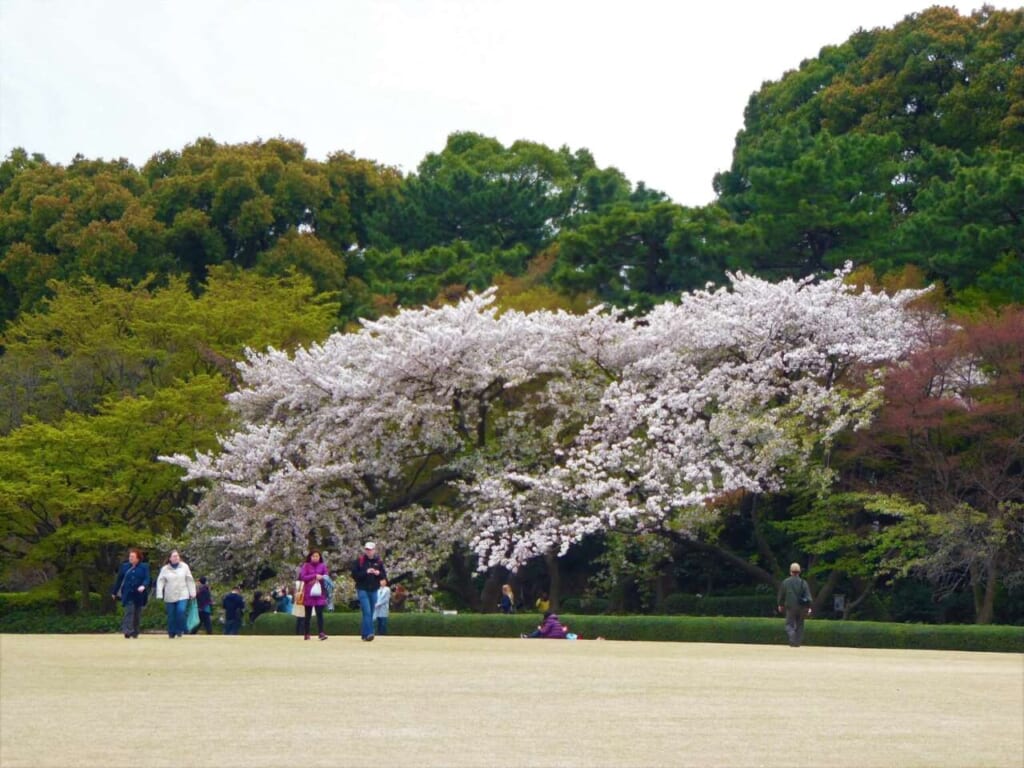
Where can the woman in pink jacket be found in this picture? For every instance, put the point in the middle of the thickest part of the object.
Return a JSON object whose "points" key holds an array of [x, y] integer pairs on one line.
{"points": [[314, 591]]}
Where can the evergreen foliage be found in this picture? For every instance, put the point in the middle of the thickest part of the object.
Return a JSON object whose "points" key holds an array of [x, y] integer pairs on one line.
{"points": [[129, 297]]}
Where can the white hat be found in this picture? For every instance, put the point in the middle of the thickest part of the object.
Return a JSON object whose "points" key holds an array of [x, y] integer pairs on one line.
{"points": [[369, 545]]}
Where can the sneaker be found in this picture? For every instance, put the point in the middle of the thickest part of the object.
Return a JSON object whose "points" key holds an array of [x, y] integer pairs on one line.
{"points": [[323, 636], [307, 637], [522, 636], [369, 638]]}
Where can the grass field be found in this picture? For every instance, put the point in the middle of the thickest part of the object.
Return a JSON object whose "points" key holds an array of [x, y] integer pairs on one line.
{"points": [[101, 700]]}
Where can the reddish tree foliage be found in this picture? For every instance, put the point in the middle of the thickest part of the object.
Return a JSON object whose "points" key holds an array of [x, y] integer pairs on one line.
{"points": [[951, 436]]}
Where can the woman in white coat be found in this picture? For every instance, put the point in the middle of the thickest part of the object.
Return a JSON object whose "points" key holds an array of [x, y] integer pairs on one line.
{"points": [[175, 586]]}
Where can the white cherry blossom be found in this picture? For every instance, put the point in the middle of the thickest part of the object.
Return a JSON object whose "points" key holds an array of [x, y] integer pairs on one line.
{"points": [[518, 434]]}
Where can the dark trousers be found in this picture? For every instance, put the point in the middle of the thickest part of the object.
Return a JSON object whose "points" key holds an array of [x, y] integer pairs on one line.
{"points": [[205, 622], [319, 617], [795, 625], [232, 626], [131, 618]]}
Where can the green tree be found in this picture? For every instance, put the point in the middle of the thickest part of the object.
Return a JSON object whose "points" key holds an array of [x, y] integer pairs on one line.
{"points": [[477, 191], [61, 223], [968, 228], [94, 341], [837, 157], [75, 493]]}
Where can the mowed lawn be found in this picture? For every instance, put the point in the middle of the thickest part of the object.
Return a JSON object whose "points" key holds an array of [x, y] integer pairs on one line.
{"points": [[91, 700]]}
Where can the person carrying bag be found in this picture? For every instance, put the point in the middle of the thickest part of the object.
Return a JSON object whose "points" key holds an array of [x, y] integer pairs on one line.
{"points": [[795, 601]]}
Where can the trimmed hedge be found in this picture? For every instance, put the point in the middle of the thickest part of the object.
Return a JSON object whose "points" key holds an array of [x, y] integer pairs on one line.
{"points": [[686, 629], [50, 622], [43, 619], [44, 599]]}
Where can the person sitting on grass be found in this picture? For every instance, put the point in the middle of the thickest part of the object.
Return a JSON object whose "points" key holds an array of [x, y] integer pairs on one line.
{"points": [[551, 628]]}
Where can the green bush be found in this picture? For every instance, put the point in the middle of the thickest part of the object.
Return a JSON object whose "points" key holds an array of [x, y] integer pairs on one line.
{"points": [[50, 622], [690, 629], [680, 629], [46, 599]]}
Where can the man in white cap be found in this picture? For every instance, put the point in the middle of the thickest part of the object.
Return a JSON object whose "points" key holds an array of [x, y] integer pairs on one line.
{"points": [[368, 573], [795, 601]]}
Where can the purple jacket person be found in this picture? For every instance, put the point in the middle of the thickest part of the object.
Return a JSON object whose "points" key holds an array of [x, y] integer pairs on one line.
{"points": [[312, 573], [551, 628]]}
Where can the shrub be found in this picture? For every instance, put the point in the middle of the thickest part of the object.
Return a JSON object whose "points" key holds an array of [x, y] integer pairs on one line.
{"points": [[685, 629], [753, 630], [50, 622], [44, 599]]}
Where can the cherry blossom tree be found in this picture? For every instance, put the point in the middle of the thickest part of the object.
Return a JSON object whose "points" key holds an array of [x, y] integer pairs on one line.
{"points": [[728, 391], [365, 434], [518, 434]]}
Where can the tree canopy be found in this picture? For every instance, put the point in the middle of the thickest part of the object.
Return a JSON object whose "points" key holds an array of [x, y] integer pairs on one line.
{"points": [[511, 353], [522, 433]]}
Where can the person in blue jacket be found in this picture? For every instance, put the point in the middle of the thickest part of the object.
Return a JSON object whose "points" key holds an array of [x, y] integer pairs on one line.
{"points": [[132, 588], [234, 610]]}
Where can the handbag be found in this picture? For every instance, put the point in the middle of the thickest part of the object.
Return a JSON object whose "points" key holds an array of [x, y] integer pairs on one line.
{"points": [[192, 615], [805, 593], [316, 590]]}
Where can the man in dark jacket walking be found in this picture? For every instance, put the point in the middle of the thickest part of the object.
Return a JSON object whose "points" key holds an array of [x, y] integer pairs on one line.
{"points": [[368, 572], [234, 609], [795, 601]]}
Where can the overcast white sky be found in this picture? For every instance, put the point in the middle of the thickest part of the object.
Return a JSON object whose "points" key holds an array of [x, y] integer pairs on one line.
{"points": [[655, 88]]}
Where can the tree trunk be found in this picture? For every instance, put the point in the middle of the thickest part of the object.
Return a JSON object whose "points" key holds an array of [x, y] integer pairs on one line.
{"points": [[851, 604], [662, 585], [83, 590], [459, 580], [554, 578], [976, 593], [988, 601], [825, 593], [756, 572], [490, 595], [763, 547]]}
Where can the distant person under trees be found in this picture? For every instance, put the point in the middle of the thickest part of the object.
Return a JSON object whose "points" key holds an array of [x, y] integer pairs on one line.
{"points": [[795, 601]]}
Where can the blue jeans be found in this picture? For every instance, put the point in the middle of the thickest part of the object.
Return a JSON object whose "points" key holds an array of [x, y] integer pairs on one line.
{"points": [[382, 625], [176, 618], [367, 602]]}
